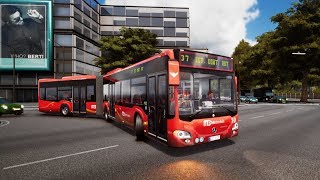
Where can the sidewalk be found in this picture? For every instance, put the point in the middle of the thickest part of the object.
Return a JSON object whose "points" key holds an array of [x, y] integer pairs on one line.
{"points": [[293, 100]]}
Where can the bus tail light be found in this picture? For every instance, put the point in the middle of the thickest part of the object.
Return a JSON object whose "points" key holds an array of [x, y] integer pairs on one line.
{"points": [[182, 134]]}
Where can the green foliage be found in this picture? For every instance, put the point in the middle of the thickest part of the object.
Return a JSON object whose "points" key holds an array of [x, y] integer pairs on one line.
{"points": [[131, 46], [271, 62]]}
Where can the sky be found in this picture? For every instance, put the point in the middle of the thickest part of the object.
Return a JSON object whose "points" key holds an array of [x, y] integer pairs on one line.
{"points": [[219, 25]]}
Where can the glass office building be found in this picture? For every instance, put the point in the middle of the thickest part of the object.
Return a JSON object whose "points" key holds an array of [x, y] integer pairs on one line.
{"points": [[170, 24], [78, 26]]}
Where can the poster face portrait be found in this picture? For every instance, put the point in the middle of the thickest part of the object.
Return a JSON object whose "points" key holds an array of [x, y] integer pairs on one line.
{"points": [[24, 34]]}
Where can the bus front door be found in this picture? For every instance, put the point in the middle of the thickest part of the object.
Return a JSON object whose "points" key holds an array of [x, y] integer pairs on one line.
{"points": [[157, 106]]}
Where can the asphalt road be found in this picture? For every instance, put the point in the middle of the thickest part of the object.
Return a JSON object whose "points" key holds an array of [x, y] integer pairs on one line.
{"points": [[275, 142]]}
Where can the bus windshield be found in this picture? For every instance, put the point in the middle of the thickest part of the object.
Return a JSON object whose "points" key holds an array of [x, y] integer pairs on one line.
{"points": [[206, 95]]}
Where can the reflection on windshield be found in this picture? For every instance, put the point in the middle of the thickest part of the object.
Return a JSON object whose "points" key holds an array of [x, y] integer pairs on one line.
{"points": [[205, 91]]}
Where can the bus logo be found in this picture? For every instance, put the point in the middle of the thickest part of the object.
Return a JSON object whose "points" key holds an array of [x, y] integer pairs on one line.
{"points": [[210, 122], [214, 130]]}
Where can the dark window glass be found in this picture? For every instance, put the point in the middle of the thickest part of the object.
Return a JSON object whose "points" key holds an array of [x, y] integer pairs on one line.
{"points": [[79, 43], [157, 14], [132, 22], [125, 91], [158, 22], [42, 93], [181, 43], [182, 23], [119, 23], [181, 14], [116, 33], [64, 93], [158, 32], [106, 11], [138, 94], [160, 42], [86, 32], [95, 16], [169, 14], [90, 93], [87, 23], [169, 43], [171, 32], [94, 5], [95, 28], [117, 92], [106, 33], [169, 24], [119, 11], [132, 12], [51, 94], [78, 4], [77, 16], [181, 34], [86, 11], [144, 14], [144, 21], [140, 80]]}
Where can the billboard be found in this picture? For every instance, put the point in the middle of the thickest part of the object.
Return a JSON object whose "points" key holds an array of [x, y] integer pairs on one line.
{"points": [[26, 34]]}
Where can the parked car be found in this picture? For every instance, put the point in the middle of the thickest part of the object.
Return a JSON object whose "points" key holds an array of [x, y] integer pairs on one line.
{"points": [[279, 99], [242, 99], [251, 99], [6, 107]]}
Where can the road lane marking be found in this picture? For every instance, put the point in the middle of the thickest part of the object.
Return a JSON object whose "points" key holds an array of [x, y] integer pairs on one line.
{"points": [[59, 157], [290, 110], [256, 117], [275, 113], [4, 123]]}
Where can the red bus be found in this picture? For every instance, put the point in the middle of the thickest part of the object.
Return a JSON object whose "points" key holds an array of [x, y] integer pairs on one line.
{"points": [[179, 97], [69, 95]]}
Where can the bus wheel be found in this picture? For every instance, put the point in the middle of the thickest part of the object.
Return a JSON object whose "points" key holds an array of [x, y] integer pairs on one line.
{"points": [[106, 115], [139, 128], [65, 110]]}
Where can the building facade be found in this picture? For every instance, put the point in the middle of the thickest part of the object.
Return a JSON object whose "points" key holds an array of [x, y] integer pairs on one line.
{"points": [[77, 26], [171, 24]]}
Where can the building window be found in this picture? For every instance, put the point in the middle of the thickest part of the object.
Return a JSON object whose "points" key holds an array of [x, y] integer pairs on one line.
{"points": [[144, 21], [157, 15], [86, 11], [61, 10], [86, 32], [119, 23], [181, 43], [158, 32], [181, 14], [77, 16], [144, 14], [169, 43], [132, 12], [107, 33], [64, 40], [181, 34], [95, 16], [170, 32], [106, 11], [160, 42], [132, 22], [62, 23], [86, 22], [62, 1], [158, 22], [79, 43], [78, 4], [169, 14], [169, 24], [119, 11], [182, 23]]}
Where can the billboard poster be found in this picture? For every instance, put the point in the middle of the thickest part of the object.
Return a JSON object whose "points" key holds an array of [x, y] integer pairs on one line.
{"points": [[26, 33]]}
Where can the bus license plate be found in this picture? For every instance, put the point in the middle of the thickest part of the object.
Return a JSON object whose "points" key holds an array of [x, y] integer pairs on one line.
{"points": [[214, 138]]}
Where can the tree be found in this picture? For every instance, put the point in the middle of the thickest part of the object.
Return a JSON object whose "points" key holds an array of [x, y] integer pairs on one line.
{"points": [[131, 46], [240, 57], [298, 30]]}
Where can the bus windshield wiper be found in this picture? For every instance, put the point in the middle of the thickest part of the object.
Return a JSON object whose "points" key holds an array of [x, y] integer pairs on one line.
{"points": [[196, 113], [232, 112]]}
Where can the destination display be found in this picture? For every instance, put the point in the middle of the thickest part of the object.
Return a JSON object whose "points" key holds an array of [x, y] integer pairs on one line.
{"points": [[205, 61]]}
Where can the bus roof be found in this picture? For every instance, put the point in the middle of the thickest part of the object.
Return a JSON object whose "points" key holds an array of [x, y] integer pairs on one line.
{"points": [[69, 78]]}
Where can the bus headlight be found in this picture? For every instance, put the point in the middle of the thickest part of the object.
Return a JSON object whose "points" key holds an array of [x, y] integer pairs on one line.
{"points": [[182, 134], [22, 106], [235, 127], [4, 106]]}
